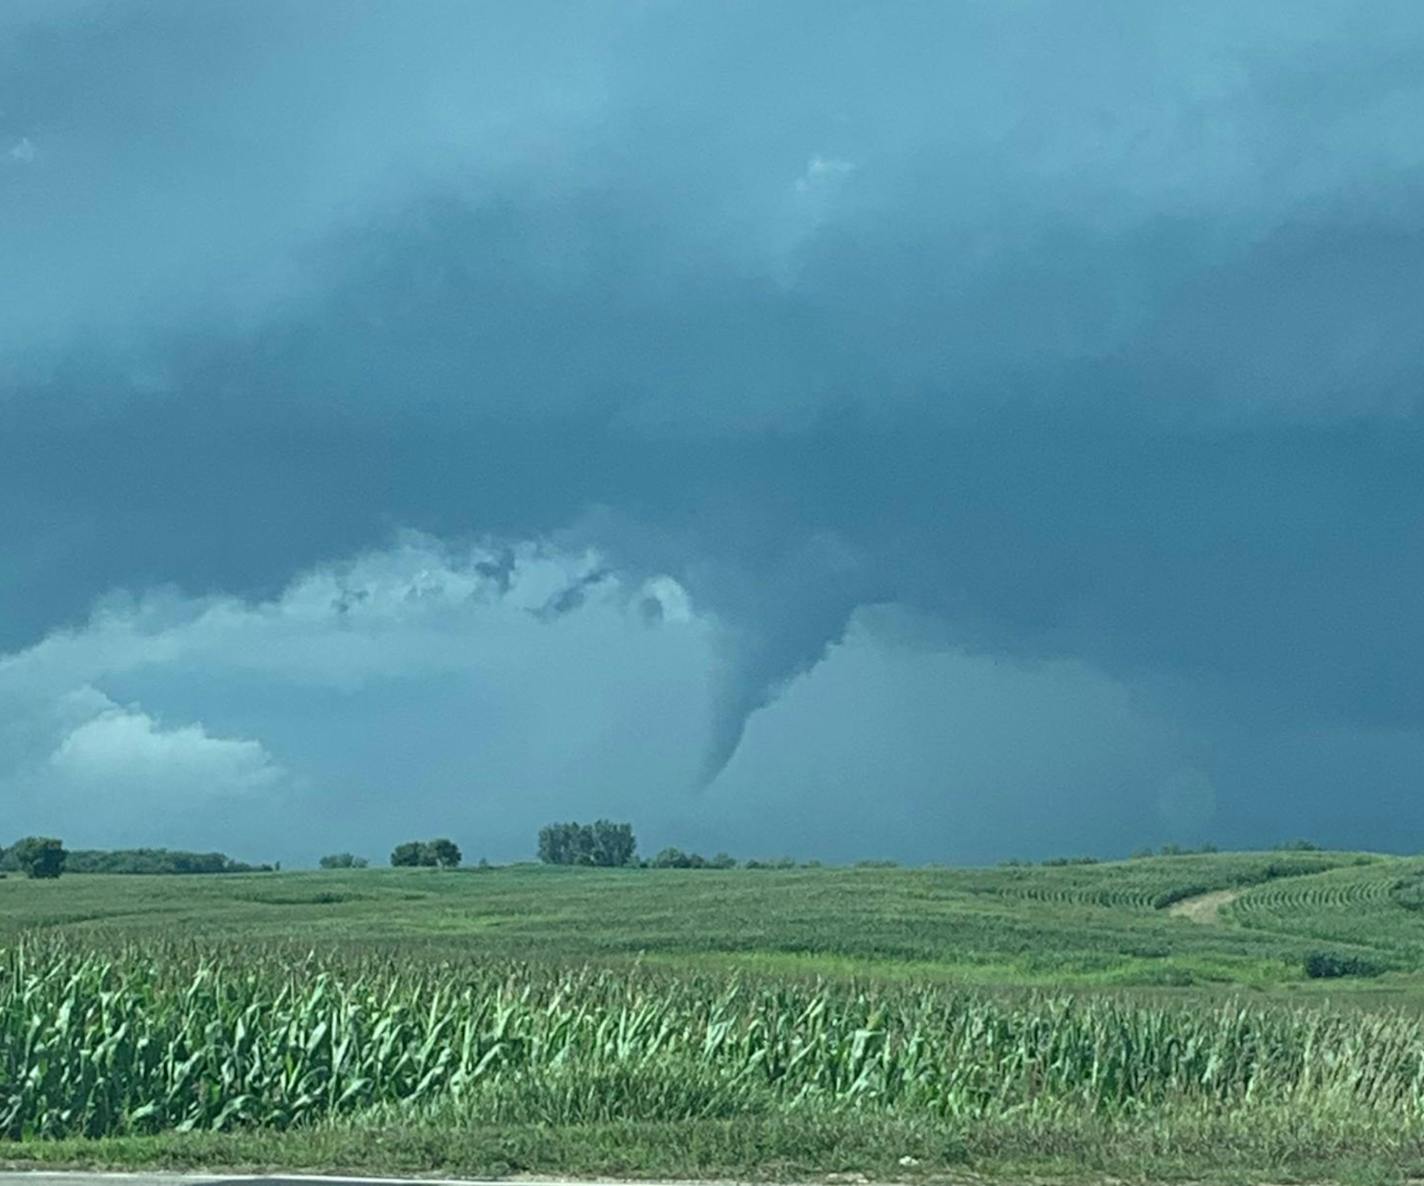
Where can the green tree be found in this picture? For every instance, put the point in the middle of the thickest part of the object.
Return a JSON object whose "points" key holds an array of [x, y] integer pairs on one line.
{"points": [[553, 839], [40, 856], [409, 855], [443, 852], [602, 843], [613, 844], [343, 860]]}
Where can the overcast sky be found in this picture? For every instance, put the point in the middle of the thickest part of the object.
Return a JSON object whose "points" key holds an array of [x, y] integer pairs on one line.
{"points": [[934, 431]]}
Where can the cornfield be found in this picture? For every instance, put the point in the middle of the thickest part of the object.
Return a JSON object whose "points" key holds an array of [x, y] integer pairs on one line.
{"points": [[158, 1037]]}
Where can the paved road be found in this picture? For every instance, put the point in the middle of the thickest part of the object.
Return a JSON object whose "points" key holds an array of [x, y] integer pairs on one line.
{"points": [[78, 1178]]}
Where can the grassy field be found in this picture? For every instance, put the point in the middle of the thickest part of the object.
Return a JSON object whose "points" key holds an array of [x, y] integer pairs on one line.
{"points": [[916, 1024]]}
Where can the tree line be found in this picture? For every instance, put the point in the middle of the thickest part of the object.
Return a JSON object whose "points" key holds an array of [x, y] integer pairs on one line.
{"points": [[607, 845], [602, 844], [46, 857]]}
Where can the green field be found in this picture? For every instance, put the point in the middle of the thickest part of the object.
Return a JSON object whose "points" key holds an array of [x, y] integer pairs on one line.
{"points": [[1078, 1021]]}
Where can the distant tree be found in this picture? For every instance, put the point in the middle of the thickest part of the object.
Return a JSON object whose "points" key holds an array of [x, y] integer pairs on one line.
{"points": [[552, 843], [343, 860], [602, 843], [723, 861], [409, 855], [40, 857], [443, 852], [613, 845], [426, 854]]}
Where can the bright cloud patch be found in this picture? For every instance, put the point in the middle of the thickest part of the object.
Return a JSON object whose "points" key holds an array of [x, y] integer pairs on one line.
{"points": [[128, 745], [115, 774], [417, 687]]}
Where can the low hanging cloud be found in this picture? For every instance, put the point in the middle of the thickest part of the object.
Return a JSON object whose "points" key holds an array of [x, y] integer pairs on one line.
{"points": [[413, 682], [427, 688]]}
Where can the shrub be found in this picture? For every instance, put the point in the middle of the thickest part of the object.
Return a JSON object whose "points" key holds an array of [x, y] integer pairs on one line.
{"points": [[1180, 893], [778, 863], [1408, 892], [1326, 965]]}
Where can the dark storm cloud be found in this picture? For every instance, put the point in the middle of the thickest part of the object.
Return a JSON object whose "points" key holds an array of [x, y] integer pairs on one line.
{"points": [[1087, 331]]}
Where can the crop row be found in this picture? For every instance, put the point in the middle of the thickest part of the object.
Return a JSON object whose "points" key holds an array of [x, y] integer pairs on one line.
{"points": [[1372, 889], [1154, 884], [158, 1038]]}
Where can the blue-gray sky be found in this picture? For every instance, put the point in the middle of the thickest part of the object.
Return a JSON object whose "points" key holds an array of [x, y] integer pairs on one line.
{"points": [[933, 431]]}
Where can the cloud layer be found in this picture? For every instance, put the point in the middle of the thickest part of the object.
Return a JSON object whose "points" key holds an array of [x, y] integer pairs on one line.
{"points": [[1080, 336]]}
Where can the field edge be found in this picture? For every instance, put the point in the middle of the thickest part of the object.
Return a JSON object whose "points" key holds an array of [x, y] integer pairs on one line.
{"points": [[836, 1147]]}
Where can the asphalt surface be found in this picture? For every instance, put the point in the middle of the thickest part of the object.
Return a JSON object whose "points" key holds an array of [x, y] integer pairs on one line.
{"points": [[80, 1178]]}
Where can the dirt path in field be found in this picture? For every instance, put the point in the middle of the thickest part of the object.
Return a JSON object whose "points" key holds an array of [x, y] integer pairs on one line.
{"points": [[1205, 908]]}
